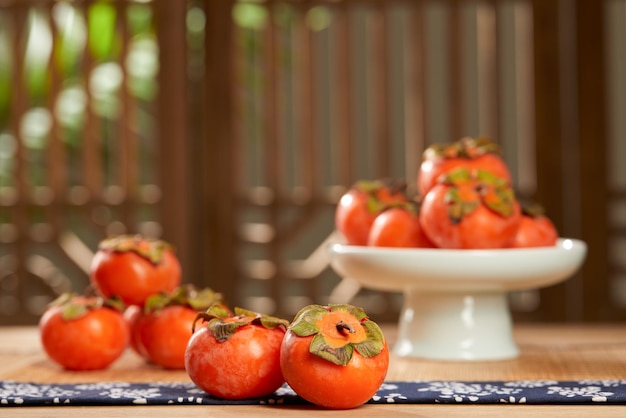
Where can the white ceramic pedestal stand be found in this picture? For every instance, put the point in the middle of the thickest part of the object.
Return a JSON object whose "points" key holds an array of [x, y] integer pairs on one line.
{"points": [[455, 301], [455, 326]]}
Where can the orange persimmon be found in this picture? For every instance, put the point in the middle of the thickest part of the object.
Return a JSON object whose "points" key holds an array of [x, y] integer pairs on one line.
{"points": [[471, 153], [334, 356]]}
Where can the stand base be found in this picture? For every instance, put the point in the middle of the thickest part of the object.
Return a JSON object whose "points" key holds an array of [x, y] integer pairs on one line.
{"points": [[455, 326]]}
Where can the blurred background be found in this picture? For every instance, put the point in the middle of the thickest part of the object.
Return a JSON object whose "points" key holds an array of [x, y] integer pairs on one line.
{"points": [[231, 128]]}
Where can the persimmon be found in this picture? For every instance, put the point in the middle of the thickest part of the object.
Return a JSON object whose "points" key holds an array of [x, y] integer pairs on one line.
{"points": [[471, 210], [133, 267], [536, 229], [359, 207], [236, 356], [399, 227], [471, 153], [163, 328], [334, 356], [84, 333]]}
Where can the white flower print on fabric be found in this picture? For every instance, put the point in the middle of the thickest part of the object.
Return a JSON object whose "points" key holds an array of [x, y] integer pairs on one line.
{"points": [[531, 383], [20, 393], [10, 389], [605, 383], [594, 392], [472, 392], [102, 386], [389, 393], [388, 386], [422, 392], [194, 391], [285, 390], [513, 399], [173, 385], [279, 396], [137, 395], [390, 398]]}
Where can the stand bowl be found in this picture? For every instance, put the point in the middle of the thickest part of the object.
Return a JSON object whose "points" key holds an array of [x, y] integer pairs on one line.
{"points": [[455, 301]]}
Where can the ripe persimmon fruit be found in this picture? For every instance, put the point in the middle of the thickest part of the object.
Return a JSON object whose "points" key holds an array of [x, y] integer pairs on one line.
{"points": [[334, 356]]}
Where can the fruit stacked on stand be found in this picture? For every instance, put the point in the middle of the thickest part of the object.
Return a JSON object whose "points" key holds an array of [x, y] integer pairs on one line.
{"points": [[465, 200]]}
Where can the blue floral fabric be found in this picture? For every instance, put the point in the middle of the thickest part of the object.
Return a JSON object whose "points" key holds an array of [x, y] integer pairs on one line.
{"points": [[449, 392]]}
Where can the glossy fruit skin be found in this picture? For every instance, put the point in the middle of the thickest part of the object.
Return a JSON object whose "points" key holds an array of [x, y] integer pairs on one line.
{"points": [[132, 277], [162, 336], [398, 227], [482, 229], [359, 207], [431, 170], [329, 385], [91, 342], [352, 219], [535, 231], [247, 365]]}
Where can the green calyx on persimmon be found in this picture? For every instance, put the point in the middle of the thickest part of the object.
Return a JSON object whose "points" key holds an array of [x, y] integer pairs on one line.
{"points": [[469, 189], [187, 295], [338, 330], [223, 324], [74, 306], [148, 248], [381, 192], [466, 147]]}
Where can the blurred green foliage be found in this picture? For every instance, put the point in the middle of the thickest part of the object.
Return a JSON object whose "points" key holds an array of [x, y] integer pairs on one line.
{"points": [[93, 34], [5, 73], [104, 42]]}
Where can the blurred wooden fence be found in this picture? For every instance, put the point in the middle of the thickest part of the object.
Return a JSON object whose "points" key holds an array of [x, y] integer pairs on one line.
{"points": [[237, 145]]}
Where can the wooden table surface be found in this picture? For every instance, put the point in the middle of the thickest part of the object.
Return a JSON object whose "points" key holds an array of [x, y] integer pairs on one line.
{"points": [[554, 352]]}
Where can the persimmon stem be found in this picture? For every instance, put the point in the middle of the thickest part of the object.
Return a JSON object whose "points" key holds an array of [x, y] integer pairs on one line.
{"points": [[481, 189], [342, 327]]}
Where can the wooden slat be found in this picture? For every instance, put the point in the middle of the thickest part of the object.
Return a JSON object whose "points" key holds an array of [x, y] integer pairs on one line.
{"points": [[489, 45], [306, 53], [92, 168], [380, 105], [216, 247], [273, 153], [178, 172], [57, 163], [238, 63], [19, 249], [593, 187], [415, 110], [344, 93], [127, 150], [524, 151], [455, 71], [548, 132]]}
